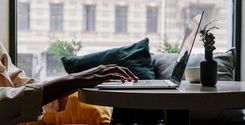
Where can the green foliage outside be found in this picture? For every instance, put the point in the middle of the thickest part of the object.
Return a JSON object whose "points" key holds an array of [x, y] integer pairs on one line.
{"points": [[60, 48], [168, 47]]}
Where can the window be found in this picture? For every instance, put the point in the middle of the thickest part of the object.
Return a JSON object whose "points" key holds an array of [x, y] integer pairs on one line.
{"points": [[56, 17], [211, 13], [151, 19], [105, 25], [89, 18], [195, 9], [23, 16], [121, 19]]}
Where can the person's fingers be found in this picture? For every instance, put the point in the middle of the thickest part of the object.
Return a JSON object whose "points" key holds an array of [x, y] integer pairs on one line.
{"points": [[130, 73], [106, 66], [110, 65], [112, 76], [120, 71], [113, 80], [112, 69], [125, 71]]}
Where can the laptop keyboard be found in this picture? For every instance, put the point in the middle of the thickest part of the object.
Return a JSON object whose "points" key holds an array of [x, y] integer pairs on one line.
{"points": [[150, 83], [140, 84]]}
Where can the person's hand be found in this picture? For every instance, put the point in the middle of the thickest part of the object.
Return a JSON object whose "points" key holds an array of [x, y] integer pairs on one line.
{"points": [[98, 75]]}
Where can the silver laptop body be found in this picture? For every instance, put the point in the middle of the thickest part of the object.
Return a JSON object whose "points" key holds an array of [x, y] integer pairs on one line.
{"points": [[179, 68]]}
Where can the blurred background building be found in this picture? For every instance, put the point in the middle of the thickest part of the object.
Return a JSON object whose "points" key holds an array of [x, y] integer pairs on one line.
{"points": [[104, 24]]}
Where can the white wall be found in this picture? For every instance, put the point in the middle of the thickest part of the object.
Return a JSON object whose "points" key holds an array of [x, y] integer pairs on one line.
{"points": [[243, 43], [4, 25]]}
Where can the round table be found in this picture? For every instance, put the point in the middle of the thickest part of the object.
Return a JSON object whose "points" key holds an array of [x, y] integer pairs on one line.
{"points": [[225, 95]]}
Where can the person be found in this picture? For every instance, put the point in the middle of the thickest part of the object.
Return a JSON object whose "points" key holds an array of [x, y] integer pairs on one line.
{"points": [[22, 98]]}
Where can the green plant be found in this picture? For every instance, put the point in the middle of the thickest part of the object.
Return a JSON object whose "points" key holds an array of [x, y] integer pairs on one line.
{"points": [[207, 37], [169, 47], [59, 48]]}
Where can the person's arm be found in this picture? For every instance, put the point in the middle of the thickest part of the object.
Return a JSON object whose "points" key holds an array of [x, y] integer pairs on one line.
{"points": [[20, 104], [68, 84]]}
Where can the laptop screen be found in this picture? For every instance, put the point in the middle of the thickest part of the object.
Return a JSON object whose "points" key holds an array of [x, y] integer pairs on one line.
{"points": [[186, 47]]}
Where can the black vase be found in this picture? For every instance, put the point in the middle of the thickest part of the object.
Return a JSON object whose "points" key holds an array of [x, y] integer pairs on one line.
{"points": [[208, 70]]}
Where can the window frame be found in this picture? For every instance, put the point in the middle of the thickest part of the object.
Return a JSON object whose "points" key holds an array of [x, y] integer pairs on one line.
{"points": [[13, 31], [237, 35]]}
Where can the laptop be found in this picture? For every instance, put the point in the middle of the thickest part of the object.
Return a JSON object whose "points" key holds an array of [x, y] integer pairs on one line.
{"points": [[179, 68]]}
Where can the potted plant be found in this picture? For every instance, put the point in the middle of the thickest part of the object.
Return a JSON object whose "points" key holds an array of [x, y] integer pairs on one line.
{"points": [[208, 67]]}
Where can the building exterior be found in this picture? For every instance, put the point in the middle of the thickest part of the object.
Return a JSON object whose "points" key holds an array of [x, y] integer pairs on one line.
{"points": [[104, 24]]}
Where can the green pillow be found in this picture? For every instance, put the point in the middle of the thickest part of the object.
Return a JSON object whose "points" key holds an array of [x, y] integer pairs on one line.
{"points": [[135, 57]]}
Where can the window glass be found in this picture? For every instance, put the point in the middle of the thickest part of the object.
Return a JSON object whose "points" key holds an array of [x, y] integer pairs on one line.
{"points": [[103, 24], [121, 19], [89, 18], [23, 16], [56, 17], [151, 20]]}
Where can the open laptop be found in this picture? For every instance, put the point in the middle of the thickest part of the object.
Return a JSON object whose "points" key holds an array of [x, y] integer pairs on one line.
{"points": [[179, 68]]}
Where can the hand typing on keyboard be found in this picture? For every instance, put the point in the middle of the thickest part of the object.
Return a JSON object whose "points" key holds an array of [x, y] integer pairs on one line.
{"points": [[117, 82]]}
